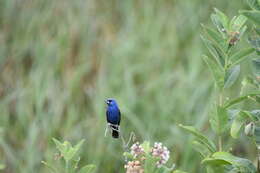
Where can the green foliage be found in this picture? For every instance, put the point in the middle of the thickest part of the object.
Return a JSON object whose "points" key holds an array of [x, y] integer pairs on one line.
{"points": [[202, 139], [219, 120], [224, 64], [68, 153], [222, 159]]}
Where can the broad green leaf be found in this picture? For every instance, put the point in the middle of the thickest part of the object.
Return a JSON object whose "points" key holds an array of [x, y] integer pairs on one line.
{"points": [[252, 15], [200, 137], [256, 67], [231, 76], [237, 22], [237, 124], [219, 120], [216, 38], [87, 169], [215, 52], [254, 4], [240, 99], [240, 55], [225, 158], [217, 72]]}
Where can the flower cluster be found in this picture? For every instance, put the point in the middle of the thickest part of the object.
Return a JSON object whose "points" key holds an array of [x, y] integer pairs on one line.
{"points": [[139, 153], [162, 152], [134, 167], [137, 149]]}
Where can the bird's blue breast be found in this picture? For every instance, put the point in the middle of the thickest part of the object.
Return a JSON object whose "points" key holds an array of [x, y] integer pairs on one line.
{"points": [[113, 115]]}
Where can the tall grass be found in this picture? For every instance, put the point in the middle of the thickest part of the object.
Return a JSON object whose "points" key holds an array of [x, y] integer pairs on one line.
{"points": [[60, 59]]}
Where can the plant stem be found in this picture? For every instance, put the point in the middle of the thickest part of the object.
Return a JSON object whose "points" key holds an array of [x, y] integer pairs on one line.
{"points": [[219, 137], [67, 167], [219, 143]]}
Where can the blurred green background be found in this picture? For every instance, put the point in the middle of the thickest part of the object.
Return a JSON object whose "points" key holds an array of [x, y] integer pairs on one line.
{"points": [[59, 61]]}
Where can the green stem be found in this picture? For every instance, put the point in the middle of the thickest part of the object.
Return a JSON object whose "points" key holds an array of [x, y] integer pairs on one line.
{"points": [[219, 143], [221, 104], [67, 167]]}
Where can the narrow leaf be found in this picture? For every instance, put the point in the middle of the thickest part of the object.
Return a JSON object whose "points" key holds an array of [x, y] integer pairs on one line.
{"points": [[256, 67], [252, 15], [219, 120], [231, 76], [241, 55], [254, 4], [87, 169], [215, 52], [217, 72], [222, 17], [203, 139], [240, 99], [216, 37]]}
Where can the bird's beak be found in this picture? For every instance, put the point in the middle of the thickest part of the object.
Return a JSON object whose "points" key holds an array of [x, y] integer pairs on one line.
{"points": [[106, 101]]}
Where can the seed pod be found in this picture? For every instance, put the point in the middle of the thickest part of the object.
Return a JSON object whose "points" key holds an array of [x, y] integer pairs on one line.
{"points": [[250, 129]]}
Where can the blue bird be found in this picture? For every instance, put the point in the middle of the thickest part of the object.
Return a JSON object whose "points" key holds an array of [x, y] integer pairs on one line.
{"points": [[113, 116]]}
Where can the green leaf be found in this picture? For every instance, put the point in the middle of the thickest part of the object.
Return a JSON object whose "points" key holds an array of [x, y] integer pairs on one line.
{"points": [[257, 135], [256, 67], [252, 15], [238, 122], [240, 99], [200, 148], [200, 137], [2, 166], [87, 169], [128, 155], [255, 42], [240, 55], [216, 38], [237, 22], [254, 4], [150, 163], [255, 114], [164, 169], [219, 120], [225, 158], [231, 76], [73, 150], [217, 72], [146, 146], [215, 51], [178, 171], [62, 147], [222, 18]]}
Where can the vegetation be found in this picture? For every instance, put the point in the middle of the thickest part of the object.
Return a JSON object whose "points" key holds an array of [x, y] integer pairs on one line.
{"points": [[60, 59]]}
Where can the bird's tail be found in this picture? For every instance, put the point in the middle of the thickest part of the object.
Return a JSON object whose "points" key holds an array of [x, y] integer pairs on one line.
{"points": [[115, 131]]}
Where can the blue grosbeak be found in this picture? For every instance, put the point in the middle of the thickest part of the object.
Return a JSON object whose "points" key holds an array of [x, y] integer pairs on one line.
{"points": [[113, 116]]}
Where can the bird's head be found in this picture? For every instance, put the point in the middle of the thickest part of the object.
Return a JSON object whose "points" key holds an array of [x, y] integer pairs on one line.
{"points": [[111, 102]]}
